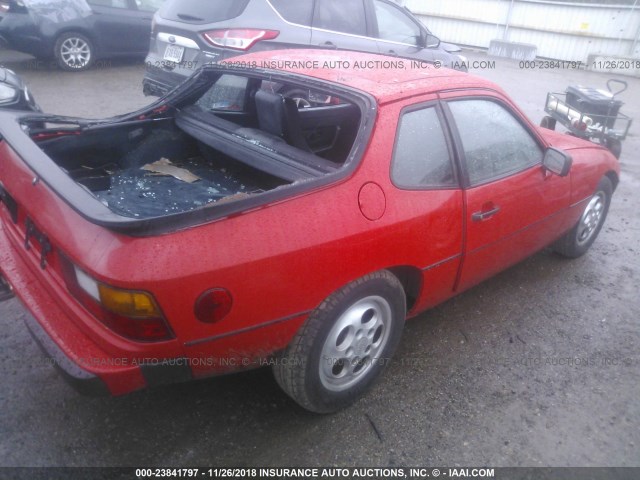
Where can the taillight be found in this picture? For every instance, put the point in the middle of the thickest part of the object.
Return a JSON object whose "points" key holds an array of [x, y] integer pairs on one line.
{"points": [[213, 305], [240, 38], [130, 313]]}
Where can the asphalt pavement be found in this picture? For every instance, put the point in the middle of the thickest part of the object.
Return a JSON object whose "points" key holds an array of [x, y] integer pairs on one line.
{"points": [[539, 366]]}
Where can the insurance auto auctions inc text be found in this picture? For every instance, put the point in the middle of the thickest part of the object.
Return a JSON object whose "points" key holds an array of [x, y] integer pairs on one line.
{"points": [[374, 473], [353, 65]]}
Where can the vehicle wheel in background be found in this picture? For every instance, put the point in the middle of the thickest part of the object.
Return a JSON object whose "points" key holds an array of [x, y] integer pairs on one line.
{"points": [[74, 52]]}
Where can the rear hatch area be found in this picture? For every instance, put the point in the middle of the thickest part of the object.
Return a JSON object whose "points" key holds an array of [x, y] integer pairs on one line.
{"points": [[92, 212]]}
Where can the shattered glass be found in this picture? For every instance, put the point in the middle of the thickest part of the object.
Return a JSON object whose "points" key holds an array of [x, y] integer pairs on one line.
{"points": [[138, 193]]}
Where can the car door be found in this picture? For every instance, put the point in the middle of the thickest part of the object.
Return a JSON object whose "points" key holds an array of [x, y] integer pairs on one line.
{"points": [[342, 24], [427, 201], [120, 27], [514, 207]]}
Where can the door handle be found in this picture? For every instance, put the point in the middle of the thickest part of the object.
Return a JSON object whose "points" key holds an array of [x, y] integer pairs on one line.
{"points": [[392, 53], [484, 215], [329, 44]]}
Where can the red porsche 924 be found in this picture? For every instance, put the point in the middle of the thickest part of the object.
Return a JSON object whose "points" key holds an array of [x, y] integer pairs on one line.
{"points": [[279, 213]]}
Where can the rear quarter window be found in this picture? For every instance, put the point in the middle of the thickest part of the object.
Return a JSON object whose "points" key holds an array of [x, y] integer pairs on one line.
{"points": [[228, 93], [149, 5], [203, 11], [295, 11], [345, 16], [421, 159]]}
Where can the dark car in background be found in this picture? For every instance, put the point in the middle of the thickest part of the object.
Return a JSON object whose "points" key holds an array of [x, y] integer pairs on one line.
{"points": [[14, 93], [190, 33], [77, 32]]}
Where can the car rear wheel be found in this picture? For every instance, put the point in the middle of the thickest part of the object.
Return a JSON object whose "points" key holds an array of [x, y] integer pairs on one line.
{"points": [[74, 52], [577, 241], [344, 345]]}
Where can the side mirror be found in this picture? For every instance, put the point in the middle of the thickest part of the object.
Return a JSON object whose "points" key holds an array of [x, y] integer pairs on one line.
{"points": [[431, 41], [558, 162]]}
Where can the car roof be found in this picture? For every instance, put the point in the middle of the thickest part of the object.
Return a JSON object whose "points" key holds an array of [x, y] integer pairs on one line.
{"points": [[387, 78]]}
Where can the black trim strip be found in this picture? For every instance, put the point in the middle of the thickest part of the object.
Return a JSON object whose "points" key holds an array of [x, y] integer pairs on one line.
{"points": [[245, 330], [580, 201], [166, 372], [442, 262]]}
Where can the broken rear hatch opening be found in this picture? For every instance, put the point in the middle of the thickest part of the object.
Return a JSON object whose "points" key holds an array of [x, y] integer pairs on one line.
{"points": [[225, 142]]}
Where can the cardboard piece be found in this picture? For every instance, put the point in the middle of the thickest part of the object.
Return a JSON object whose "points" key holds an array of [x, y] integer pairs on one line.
{"points": [[166, 168]]}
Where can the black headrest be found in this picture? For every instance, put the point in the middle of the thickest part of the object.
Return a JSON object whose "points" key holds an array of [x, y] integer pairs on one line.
{"points": [[271, 113]]}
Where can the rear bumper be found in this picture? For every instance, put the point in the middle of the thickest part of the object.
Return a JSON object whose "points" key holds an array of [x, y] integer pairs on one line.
{"points": [[160, 77], [82, 380], [81, 361], [158, 81]]}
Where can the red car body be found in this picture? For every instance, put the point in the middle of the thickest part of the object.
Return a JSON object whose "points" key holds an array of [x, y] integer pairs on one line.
{"points": [[281, 260]]}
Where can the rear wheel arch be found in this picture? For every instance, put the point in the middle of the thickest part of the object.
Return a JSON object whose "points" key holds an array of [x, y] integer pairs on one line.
{"points": [[613, 177], [411, 279], [344, 344]]}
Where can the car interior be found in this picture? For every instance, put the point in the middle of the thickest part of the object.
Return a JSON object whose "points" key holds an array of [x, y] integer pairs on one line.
{"points": [[242, 137]]}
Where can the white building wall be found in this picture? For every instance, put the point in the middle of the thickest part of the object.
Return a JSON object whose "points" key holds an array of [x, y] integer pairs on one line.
{"points": [[563, 31]]}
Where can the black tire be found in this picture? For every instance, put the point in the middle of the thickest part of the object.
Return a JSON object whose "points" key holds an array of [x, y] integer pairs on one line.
{"points": [[579, 239], [548, 122], [344, 345], [74, 52], [615, 146]]}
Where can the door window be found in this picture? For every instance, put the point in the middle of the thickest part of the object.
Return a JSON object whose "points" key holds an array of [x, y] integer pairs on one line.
{"points": [[346, 16], [421, 158], [495, 143], [394, 25], [298, 11], [149, 5]]}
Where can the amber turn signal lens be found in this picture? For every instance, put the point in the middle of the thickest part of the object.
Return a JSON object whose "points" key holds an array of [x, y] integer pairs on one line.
{"points": [[133, 314], [128, 303]]}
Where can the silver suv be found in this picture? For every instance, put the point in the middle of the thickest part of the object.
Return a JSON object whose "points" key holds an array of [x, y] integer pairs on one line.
{"points": [[190, 33]]}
